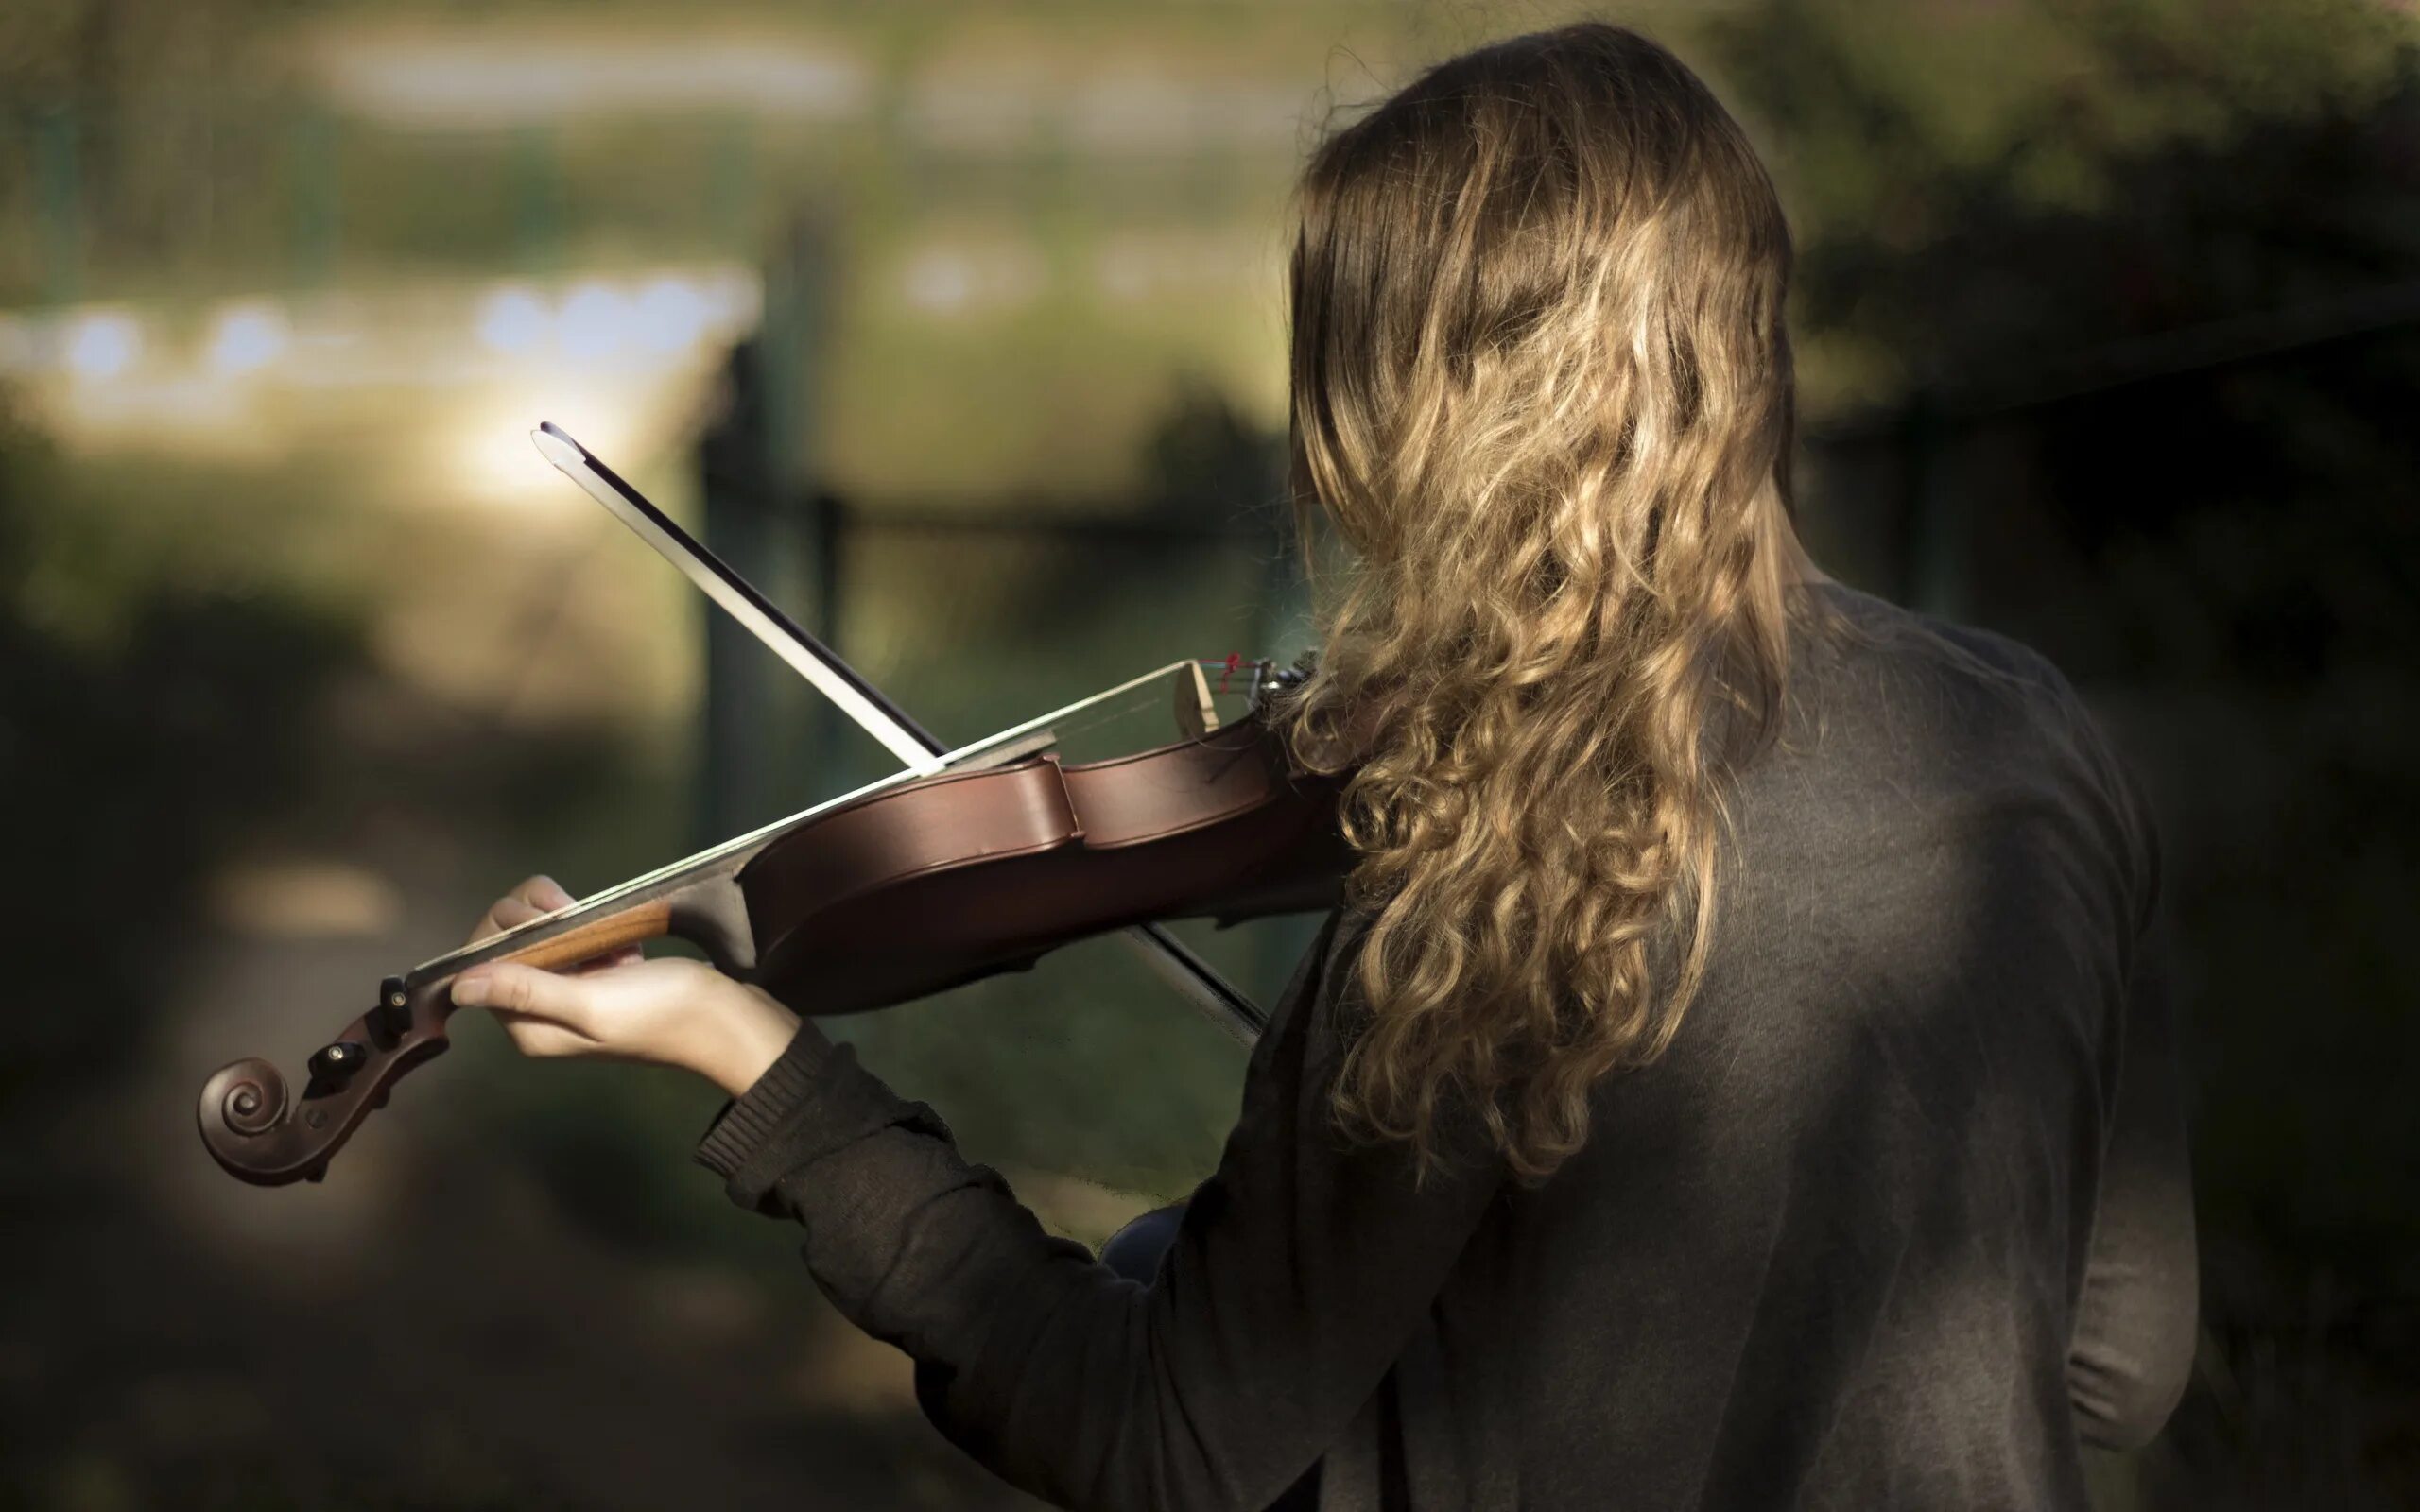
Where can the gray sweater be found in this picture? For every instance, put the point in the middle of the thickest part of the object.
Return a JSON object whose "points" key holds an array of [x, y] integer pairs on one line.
{"points": [[1900, 1218]]}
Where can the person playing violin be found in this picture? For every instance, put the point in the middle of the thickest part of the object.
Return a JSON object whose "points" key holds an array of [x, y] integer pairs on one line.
{"points": [[1739, 1076]]}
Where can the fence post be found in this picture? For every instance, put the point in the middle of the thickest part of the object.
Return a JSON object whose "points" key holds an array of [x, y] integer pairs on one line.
{"points": [[1936, 518], [59, 171], [766, 746], [806, 517], [537, 200], [317, 217], [735, 788]]}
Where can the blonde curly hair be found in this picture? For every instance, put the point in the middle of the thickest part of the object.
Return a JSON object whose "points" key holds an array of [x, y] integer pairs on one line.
{"points": [[1541, 396]]}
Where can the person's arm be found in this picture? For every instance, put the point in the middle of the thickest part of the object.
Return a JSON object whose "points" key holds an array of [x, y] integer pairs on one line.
{"points": [[1300, 1269], [2137, 1318], [2133, 1350]]}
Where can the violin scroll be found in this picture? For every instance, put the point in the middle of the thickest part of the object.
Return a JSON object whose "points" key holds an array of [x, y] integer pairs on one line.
{"points": [[250, 1096], [260, 1132]]}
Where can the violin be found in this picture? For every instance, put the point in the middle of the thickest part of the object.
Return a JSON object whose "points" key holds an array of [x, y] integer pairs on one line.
{"points": [[970, 863]]}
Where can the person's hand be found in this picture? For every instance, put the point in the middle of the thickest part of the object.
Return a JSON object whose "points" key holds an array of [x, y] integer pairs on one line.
{"points": [[622, 1006]]}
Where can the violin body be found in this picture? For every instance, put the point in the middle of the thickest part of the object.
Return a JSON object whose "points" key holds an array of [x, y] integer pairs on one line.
{"points": [[877, 900], [966, 874]]}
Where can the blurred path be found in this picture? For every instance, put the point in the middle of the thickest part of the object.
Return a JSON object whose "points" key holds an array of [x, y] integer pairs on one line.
{"points": [[430, 1326]]}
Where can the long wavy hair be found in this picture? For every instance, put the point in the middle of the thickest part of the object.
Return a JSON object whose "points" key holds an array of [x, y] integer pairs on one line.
{"points": [[1541, 396]]}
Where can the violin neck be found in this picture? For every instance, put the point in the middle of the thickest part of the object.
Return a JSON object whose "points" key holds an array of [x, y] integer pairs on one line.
{"points": [[699, 900]]}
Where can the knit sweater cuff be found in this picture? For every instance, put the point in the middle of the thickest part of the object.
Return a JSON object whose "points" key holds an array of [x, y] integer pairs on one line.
{"points": [[748, 1120]]}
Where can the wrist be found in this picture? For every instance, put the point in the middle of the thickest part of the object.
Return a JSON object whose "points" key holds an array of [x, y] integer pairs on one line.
{"points": [[756, 1030]]}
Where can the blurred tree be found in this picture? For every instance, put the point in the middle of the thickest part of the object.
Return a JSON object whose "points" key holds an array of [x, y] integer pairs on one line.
{"points": [[118, 100], [1907, 135]]}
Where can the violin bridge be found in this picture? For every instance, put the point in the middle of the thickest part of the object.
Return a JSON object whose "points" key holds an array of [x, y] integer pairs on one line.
{"points": [[1196, 716]]}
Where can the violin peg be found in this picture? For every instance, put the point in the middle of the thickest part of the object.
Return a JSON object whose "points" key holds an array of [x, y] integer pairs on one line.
{"points": [[340, 1061], [393, 1012]]}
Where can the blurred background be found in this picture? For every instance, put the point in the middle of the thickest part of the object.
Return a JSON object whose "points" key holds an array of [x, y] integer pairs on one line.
{"points": [[960, 325]]}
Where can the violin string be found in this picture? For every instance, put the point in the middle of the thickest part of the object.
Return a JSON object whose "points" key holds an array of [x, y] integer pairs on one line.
{"points": [[585, 906]]}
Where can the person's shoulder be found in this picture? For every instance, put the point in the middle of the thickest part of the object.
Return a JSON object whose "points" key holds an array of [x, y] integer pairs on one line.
{"points": [[1980, 700], [1983, 669], [2014, 707]]}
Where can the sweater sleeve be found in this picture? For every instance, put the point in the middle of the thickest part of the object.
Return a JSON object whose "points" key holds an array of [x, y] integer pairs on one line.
{"points": [[2132, 1352], [1302, 1265]]}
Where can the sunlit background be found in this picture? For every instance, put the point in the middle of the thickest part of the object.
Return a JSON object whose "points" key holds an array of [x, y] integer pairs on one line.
{"points": [[958, 326]]}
